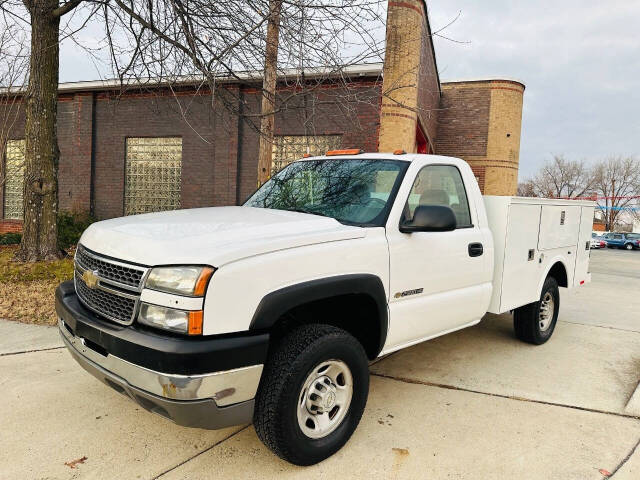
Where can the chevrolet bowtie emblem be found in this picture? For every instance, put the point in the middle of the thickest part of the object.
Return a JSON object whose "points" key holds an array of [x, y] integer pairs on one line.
{"points": [[90, 278]]}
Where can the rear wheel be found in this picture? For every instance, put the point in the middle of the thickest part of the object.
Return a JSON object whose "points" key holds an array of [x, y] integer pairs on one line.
{"points": [[535, 323], [629, 246], [312, 394]]}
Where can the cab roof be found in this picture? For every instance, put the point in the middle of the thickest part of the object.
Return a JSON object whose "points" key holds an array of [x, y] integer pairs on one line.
{"points": [[407, 157]]}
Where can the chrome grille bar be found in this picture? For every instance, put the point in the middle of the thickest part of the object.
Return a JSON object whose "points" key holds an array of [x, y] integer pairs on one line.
{"points": [[116, 294]]}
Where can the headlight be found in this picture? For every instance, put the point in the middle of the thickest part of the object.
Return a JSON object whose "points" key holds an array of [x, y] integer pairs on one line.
{"points": [[190, 281], [171, 319]]}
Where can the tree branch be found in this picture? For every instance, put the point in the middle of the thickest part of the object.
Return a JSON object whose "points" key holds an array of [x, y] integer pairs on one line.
{"points": [[66, 8]]}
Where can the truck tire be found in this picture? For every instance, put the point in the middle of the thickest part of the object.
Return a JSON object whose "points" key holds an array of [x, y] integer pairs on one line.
{"points": [[535, 322], [312, 394]]}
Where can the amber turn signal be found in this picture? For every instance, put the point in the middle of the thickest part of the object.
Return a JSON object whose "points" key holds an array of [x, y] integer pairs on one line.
{"points": [[203, 281], [195, 323]]}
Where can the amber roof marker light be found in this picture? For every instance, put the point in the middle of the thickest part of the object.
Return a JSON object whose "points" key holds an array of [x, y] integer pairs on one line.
{"points": [[399, 152], [348, 151]]}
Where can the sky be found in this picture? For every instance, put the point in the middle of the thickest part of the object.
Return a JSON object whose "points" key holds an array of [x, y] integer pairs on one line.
{"points": [[579, 60]]}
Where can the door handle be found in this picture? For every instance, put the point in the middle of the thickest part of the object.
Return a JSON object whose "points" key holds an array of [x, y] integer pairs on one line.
{"points": [[475, 249]]}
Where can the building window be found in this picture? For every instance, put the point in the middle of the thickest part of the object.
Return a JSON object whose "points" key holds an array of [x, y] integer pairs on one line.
{"points": [[14, 179], [287, 148], [154, 167]]}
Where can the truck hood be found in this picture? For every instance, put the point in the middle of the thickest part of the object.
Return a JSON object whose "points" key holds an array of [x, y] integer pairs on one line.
{"points": [[213, 236]]}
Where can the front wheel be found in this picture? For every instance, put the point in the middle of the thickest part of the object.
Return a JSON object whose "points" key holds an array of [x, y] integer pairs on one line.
{"points": [[534, 323], [628, 246], [312, 394]]}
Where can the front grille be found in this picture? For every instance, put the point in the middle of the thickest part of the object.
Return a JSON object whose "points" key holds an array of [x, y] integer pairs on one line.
{"points": [[116, 294], [108, 269], [110, 305]]}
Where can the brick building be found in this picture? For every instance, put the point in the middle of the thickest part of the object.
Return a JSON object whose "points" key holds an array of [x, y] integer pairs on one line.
{"points": [[148, 147]]}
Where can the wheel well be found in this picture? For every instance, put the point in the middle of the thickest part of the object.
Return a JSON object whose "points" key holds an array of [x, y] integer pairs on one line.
{"points": [[356, 313], [560, 274]]}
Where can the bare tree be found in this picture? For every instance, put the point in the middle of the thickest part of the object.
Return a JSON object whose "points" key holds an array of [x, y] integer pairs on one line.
{"points": [[526, 189], [13, 70], [168, 43], [269, 92], [562, 178], [617, 181]]}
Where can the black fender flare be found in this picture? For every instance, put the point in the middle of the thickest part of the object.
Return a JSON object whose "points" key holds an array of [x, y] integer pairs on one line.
{"points": [[277, 303]]}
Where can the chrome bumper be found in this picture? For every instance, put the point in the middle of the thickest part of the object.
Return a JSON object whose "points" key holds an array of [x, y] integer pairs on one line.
{"points": [[214, 400]]}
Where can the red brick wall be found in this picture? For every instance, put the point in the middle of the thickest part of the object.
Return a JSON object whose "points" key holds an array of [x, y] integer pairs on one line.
{"points": [[209, 142], [327, 114], [75, 121], [219, 148], [74, 140], [463, 121], [10, 226]]}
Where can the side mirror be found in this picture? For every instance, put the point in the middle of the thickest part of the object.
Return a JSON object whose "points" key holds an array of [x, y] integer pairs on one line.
{"points": [[430, 218]]}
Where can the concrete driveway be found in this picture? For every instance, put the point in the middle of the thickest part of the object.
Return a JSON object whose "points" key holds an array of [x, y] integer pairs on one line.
{"points": [[475, 404]]}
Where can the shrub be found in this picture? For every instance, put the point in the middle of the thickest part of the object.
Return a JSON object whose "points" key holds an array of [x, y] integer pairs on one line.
{"points": [[71, 226], [10, 238]]}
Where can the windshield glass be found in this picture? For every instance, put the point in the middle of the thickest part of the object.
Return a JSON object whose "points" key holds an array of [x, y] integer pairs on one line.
{"points": [[353, 191]]}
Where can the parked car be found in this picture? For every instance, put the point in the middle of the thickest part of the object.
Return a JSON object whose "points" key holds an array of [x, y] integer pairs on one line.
{"points": [[597, 241], [628, 241], [270, 312]]}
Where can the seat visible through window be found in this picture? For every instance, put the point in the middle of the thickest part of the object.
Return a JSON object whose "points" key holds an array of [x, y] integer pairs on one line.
{"points": [[440, 185]]}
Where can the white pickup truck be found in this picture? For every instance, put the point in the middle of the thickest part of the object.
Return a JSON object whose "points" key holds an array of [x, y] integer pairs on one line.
{"points": [[270, 312]]}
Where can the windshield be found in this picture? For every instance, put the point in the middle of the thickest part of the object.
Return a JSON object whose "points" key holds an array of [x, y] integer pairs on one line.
{"points": [[353, 191]]}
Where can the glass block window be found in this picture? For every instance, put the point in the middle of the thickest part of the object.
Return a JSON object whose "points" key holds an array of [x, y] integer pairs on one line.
{"points": [[153, 174], [14, 179], [287, 148]]}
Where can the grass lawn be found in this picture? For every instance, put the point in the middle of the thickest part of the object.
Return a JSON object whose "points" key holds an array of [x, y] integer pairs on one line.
{"points": [[27, 289]]}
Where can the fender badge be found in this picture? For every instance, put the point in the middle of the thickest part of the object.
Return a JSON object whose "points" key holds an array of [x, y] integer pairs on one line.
{"points": [[406, 293], [90, 278]]}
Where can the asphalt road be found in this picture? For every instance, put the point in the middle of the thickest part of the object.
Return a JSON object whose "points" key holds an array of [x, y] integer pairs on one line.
{"points": [[475, 404]]}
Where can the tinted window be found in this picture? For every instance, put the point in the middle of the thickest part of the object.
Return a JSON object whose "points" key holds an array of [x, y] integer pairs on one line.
{"points": [[352, 191], [440, 185]]}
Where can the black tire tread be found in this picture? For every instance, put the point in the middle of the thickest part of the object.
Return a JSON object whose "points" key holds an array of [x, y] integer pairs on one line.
{"points": [[279, 369], [525, 318]]}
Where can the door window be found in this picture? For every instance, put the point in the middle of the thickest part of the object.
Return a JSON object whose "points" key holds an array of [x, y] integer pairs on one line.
{"points": [[440, 185]]}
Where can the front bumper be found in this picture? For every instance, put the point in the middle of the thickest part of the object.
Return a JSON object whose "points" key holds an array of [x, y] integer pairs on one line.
{"points": [[217, 399]]}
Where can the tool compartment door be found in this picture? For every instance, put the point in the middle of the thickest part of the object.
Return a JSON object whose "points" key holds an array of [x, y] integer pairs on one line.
{"points": [[521, 272], [584, 247], [559, 226]]}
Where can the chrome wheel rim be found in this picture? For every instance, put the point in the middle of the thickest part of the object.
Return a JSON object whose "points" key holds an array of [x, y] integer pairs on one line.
{"points": [[547, 307], [325, 398]]}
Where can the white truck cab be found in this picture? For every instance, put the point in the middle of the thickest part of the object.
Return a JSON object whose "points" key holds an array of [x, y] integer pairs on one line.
{"points": [[269, 312]]}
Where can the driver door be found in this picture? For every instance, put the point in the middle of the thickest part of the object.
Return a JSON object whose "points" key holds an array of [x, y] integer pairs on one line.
{"points": [[439, 281]]}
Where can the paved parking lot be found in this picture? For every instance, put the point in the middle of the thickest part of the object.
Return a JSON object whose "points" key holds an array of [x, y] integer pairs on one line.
{"points": [[475, 404]]}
